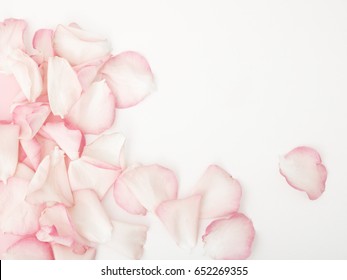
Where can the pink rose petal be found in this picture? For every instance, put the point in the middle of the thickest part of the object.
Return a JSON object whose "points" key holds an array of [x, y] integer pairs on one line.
{"points": [[86, 113], [89, 217], [106, 149], [9, 90], [8, 150], [150, 185], [85, 175], [6, 241], [221, 193], [29, 249], [63, 86], [62, 252], [27, 74], [50, 182], [70, 141], [43, 42], [230, 238], [128, 239], [79, 46], [30, 117], [32, 151], [303, 169], [181, 218], [129, 77]]}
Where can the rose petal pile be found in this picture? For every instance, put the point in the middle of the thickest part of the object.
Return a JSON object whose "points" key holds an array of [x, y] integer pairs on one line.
{"points": [[60, 155]]}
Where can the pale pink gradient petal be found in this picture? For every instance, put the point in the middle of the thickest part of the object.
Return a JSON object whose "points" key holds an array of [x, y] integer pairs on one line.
{"points": [[9, 90], [221, 193], [89, 217], [62, 252], [181, 218], [79, 46], [230, 238], [6, 241], [27, 74], [24, 172], [126, 199], [85, 175], [47, 146], [130, 78], [70, 141], [43, 42], [107, 148], [63, 86], [11, 38], [94, 112], [50, 182], [16, 215], [30, 117], [32, 150], [303, 170], [8, 150], [128, 239], [29, 249], [151, 185]]}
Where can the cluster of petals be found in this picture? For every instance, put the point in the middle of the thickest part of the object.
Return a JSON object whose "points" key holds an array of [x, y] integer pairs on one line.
{"points": [[60, 156]]}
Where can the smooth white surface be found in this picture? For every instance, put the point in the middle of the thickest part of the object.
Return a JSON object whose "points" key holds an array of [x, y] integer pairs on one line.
{"points": [[238, 84]]}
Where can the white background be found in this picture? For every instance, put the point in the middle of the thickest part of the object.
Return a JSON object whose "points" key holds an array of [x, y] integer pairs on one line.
{"points": [[238, 84]]}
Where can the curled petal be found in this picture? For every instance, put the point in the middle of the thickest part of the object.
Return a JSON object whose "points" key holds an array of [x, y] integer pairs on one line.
{"points": [[129, 77], [62, 252], [229, 239], [181, 218], [303, 169], [107, 149], [16, 215], [85, 175], [30, 117], [42, 42], [89, 217], [63, 86], [79, 46], [128, 239], [9, 90], [8, 150], [221, 194], [85, 114], [151, 185], [29, 249], [27, 74], [70, 141], [50, 182]]}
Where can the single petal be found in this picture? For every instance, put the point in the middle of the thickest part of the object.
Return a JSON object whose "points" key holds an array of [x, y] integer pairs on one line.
{"points": [[62, 252], [70, 141], [6, 241], [63, 86], [43, 42], [29, 249], [128, 239], [27, 74], [151, 185], [85, 114], [129, 77], [303, 169], [181, 218], [50, 182], [16, 215], [221, 193], [230, 238], [11, 38], [85, 175], [79, 46], [8, 150], [89, 217], [30, 117], [107, 148], [9, 90]]}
